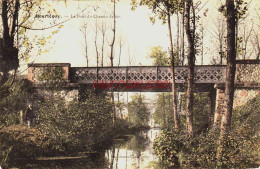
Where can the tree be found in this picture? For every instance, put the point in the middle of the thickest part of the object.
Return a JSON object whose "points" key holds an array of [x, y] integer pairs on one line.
{"points": [[230, 76], [191, 63], [164, 107], [84, 31], [219, 35], [203, 32], [9, 60], [112, 53], [103, 29], [245, 39], [96, 44], [182, 39], [160, 57], [120, 104], [256, 42], [162, 114], [121, 43], [114, 34], [12, 27], [240, 10], [137, 111], [164, 10]]}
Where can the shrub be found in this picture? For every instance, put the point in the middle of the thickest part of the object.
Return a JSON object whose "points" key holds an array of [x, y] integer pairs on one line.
{"points": [[168, 146], [77, 125], [241, 149], [13, 99]]}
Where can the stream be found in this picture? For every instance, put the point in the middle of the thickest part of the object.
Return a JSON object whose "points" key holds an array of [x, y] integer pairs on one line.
{"points": [[134, 152]]}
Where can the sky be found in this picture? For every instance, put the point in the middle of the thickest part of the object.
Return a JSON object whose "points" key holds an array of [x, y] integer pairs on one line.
{"points": [[133, 27]]}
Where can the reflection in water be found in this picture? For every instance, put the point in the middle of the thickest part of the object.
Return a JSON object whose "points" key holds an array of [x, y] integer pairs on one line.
{"points": [[136, 153]]}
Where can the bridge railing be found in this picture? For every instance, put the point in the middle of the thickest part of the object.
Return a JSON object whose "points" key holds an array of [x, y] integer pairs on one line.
{"points": [[203, 74], [248, 72]]}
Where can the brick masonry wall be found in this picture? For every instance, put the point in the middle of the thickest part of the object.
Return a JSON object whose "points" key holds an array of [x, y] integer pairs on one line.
{"points": [[34, 70], [68, 95], [242, 96]]}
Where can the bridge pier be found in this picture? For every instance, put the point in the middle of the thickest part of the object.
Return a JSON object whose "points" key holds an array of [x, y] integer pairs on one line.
{"points": [[241, 96], [212, 96], [219, 106]]}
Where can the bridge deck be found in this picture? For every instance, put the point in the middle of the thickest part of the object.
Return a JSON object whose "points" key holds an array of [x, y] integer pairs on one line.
{"points": [[142, 78]]}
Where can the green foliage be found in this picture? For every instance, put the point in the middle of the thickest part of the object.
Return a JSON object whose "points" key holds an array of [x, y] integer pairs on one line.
{"points": [[239, 46], [137, 111], [160, 8], [52, 76], [241, 7], [246, 133], [160, 57], [167, 146], [155, 165], [201, 110], [241, 149], [27, 43], [76, 124], [163, 114], [20, 141], [13, 99]]}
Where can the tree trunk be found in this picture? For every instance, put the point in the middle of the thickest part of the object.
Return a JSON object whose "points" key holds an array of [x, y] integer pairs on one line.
{"points": [[202, 45], [183, 36], [96, 34], [9, 60], [258, 48], [236, 34], [164, 114], [174, 103], [112, 56], [230, 76], [102, 54], [221, 53], [114, 35], [178, 37], [86, 50], [191, 64]]}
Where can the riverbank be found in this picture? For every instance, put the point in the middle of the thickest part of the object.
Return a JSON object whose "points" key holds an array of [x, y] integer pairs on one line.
{"points": [[20, 143], [123, 151]]}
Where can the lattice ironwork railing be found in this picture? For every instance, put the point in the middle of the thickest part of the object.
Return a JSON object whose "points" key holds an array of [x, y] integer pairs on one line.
{"points": [[248, 73], [203, 74]]}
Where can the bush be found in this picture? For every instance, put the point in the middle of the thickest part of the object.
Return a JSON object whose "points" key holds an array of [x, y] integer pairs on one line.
{"points": [[19, 141], [13, 99], [167, 146], [76, 125], [241, 149]]}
